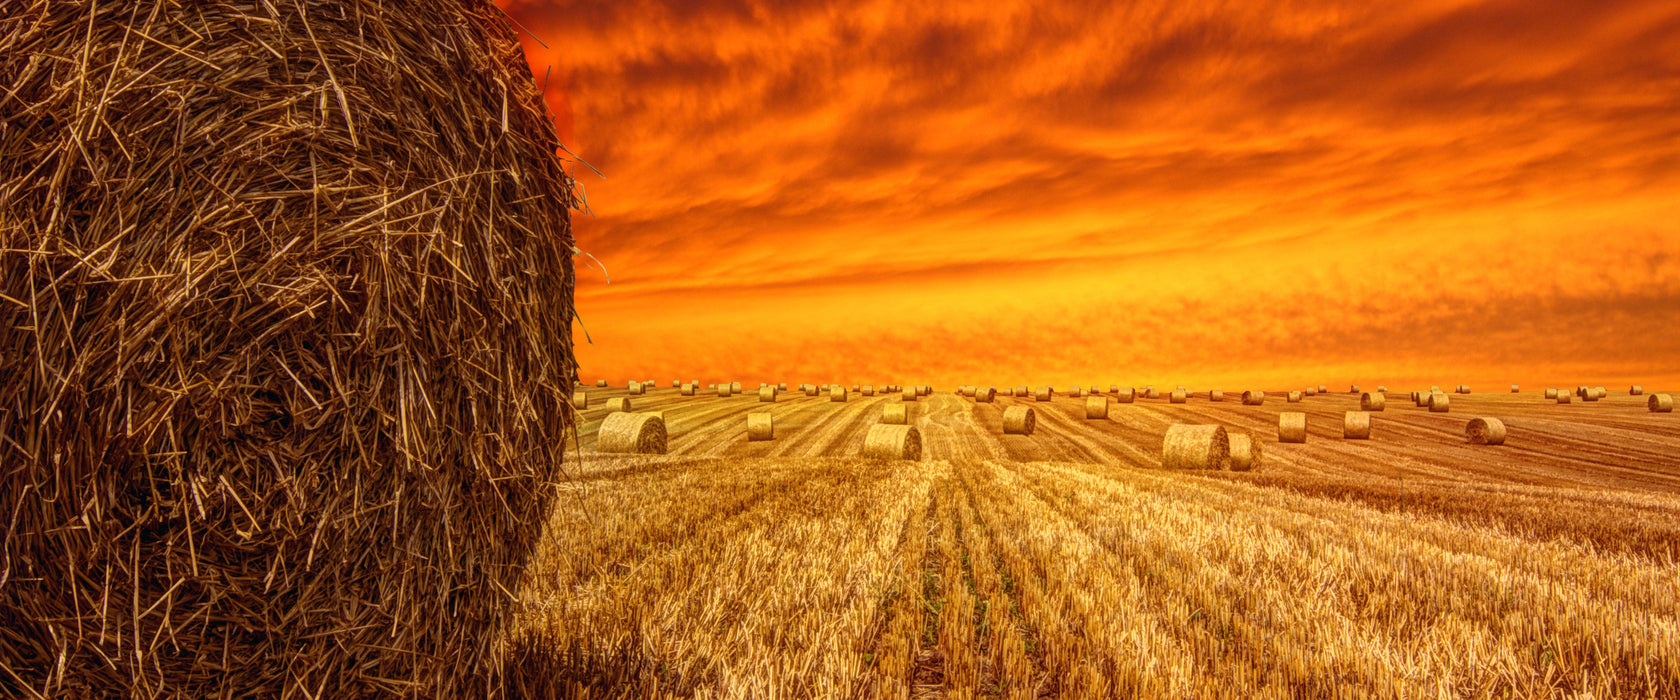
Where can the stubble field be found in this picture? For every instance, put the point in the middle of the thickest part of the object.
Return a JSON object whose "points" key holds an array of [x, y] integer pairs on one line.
{"points": [[1068, 563]]}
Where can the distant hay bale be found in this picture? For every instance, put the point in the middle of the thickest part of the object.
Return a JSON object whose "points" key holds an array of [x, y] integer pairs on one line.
{"points": [[688, 390], [601, 383], [1216, 395], [1196, 447], [868, 390], [1322, 389], [619, 404], [854, 387], [1551, 393], [1516, 389], [1019, 420], [761, 425], [1126, 395], [1636, 390], [1311, 391], [837, 392], [734, 388], [908, 394], [1421, 399], [1660, 403], [885, 441], [767, 394], [1245, 452], [1439, 403], [1178, 396], [1464, 388], [636, 388], [1382, 389], [1292, 427], [1294, 397], [927, 390], [1353, 389], [1485, 431], [1253, 397], [1591, 394], [723, 390], [1434, 388], [895, 413], [1044, 393], [811, 390], [1006, 391], [761, 385], [1096, 406], [1151, 393], [1371, 402], [985, 394], [631, 433], [1073, 391], [1356, 425], [1564, 397], [782, 386]]}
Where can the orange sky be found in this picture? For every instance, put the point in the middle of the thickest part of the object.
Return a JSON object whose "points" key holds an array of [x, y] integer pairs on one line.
{"points": [[1238, 194]]}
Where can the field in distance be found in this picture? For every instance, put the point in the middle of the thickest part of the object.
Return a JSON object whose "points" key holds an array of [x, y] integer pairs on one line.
{"points": [[1068, 563]]}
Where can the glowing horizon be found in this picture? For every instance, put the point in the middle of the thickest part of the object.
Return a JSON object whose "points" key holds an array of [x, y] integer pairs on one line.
{"points": [[1028, 193]]}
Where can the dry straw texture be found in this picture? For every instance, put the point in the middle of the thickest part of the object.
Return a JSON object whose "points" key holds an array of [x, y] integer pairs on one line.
{"points": [[895, 413], [892, 442], [285, 352], [580, 400], [1356, 425], [1371, 402], [1245, 452], [1096, 406], [633, 433], [1044, 393], [767, 394], [1659, 403], [1485, 431], [1019, 420], [985, 394], [1179, 396], [1636, 390], [837, 392], [1126, 395], [1253, 398], [761, 426], [1292, 427], [1196, 447], [1439, 403], [1294, 397]]}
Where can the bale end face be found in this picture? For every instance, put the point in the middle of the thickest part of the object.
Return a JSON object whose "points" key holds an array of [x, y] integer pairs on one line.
{"points": [[1371, 402], [1292, 427], [1019, 420], [631, 433], [895, 414], [1659, 403], [1196, 447], [760, 426], [1485, 431], [886, 441]]}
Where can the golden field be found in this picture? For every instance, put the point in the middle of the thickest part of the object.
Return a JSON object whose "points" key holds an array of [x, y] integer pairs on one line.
{"points": [[1069, 564]]}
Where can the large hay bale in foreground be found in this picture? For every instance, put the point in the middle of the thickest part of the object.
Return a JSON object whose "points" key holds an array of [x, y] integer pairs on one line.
{"points": [[1485, 431], [892, 442], [285, 346], [1292, 427], [633, 433], [761, 425], [1245, 451], [1019, 420], [1196, 447]]}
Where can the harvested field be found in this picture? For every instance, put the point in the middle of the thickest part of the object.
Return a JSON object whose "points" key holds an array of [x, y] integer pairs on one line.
{"points": [[1069, 561]]}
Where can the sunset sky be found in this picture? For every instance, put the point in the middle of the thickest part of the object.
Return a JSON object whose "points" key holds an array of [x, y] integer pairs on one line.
{"points": [[1245, 194]]}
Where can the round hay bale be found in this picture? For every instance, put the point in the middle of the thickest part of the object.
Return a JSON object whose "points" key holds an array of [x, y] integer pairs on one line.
{"points": [[1660, 403], [854, 387], [811, 390], [1044, 393], [1439, 403], [635, 388], [1216, 395], [1245, 452], [1178, 396], [885, 441], [868, 390], [1151, 393], [782, 386], [631, 433], [1253, 398], [1126, 395], [767, 394], [1019, 420], [1353, 389], [619, 404], [601, 383], [1636, 390], [761, 385], [1292, 427], [1592, 393], [1006, 391], [837, 392], [1565, 397], [985, 394], [1581, 391], [1096, 406], [1602, 392], [1434, 388], [1114, 388], [1294, 397], [1073, 391], [895, 414], [688, 390], [1485, 431], [1371, 402], [966, 390], [1323, 389], [1381, 389], [1516, 389], [1311, 391], [761, 425], [1421, 398], [1551, 393], [1196, 447], [927, 390], [1464, 388], [734, 388], [723, 390], [580, 400], [1356, 425], [909, 394]]}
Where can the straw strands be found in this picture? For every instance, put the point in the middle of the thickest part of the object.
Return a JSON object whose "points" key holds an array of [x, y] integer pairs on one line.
{"points": [[1196, 447], [761, 425], [885, 441], [1019, 420], [1096, 406], [633, 433], [1292, 427], [1485, 431]]}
